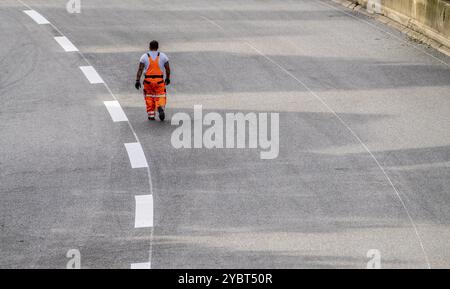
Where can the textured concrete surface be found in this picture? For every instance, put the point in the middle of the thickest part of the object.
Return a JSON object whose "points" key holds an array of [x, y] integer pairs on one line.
{"points": [[428, 17], [324, 202]]}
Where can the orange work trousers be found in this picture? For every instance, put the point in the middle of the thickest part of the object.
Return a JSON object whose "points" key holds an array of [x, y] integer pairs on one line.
{"points": [[155, 96], [153, 103]]}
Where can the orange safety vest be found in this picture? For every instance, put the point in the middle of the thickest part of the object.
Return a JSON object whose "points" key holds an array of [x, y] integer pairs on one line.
{"points": [[154, 77]]}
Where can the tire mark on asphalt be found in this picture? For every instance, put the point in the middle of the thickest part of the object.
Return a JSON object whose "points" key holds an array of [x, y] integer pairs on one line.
{"points": [[9, 75], [150, 184]]}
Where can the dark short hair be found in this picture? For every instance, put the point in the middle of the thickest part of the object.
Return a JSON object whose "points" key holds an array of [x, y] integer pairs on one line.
{"points": [[154, 45]]}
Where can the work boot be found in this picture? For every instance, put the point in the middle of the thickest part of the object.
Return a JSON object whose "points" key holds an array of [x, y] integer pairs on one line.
{"points": [[161, 113]]}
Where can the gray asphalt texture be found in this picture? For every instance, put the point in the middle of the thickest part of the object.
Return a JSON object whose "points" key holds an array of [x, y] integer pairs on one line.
{"points": [[66, 182]]}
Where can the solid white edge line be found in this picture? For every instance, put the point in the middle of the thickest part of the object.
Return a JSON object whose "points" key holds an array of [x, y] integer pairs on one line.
{"points": [[144, 211], [363, 144], [66, 44], [91, 74], [150, 183], [339, 118], [137, 266], [115, 111], [136, 155], [37, 17]]}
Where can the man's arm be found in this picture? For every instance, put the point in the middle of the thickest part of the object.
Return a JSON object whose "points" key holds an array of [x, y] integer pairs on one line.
{"points": [[167, 67], [139, 75]]}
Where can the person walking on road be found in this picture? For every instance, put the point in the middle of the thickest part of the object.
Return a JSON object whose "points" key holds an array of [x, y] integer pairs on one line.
{"points": [[154, 63]]}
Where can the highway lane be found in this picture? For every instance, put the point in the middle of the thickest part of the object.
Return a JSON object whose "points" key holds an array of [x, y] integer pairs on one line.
{"points": [[66, 181], [324, 202]]}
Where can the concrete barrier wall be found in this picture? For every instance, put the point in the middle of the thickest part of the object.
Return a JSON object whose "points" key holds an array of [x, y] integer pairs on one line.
{"points": [[429, 17]]}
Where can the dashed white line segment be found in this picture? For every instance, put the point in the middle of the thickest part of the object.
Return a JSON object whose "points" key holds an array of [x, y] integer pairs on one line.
{"points": [[146, 265], [136, 155], [115, 110], [91, 74], [38, 18], [144, 203], [341, 120], [144, 211], [66, 44]]}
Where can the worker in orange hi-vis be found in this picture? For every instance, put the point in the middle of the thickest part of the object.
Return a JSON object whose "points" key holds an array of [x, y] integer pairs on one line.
{"points": [[154, 63]]}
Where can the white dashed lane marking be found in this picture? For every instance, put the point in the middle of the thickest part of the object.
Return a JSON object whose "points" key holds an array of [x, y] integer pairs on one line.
{"points": [[38, 18], [66, 44], [91, 74], [115, 110], [144, 203], [144, 211], [141, 266], [136, 155]]}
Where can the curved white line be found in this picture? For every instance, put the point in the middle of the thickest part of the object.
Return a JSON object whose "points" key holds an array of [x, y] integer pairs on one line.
{"points": [[397, 193]]}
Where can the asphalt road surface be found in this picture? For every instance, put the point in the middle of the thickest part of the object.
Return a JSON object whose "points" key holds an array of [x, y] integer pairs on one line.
{"points": [[364, 155]]}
